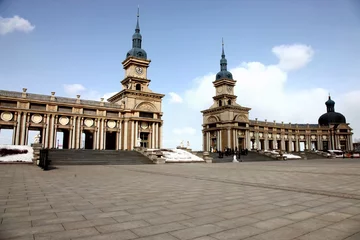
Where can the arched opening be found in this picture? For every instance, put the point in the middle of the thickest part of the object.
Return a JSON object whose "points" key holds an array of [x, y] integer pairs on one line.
{"points": [[220, 103], [138, 87], [229, 102]]}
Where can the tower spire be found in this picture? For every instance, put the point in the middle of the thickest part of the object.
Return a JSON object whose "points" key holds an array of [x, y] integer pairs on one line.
{"points": [[137, 29], [223, 61]]}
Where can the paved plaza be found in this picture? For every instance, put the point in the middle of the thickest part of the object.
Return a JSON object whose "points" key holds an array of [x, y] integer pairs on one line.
{"points": [[302, 200]]}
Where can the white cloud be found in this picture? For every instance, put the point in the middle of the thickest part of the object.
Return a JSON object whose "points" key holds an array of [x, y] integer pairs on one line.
{"points": [[16, 23], [264, 89], [292, 57], [175, 98], [108, 95], [74, 89], [184, 131]]}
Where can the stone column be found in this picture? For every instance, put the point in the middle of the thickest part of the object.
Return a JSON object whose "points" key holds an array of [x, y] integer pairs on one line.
{"points": [[18, 124], [120, 133], [153, 135], [157, 136], [207, 141], [247, 139], [351, 147], [132, 135], [55, 130], [73, 136], [23, 128], [51, 138], [297, 143], [160, 136], [100, 132], [228, 138], [266, 141], [136, 132], [125, 134], [104, 133], [78, 132]]}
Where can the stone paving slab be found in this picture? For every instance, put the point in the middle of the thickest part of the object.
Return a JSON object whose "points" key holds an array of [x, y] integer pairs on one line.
{"points": [[290, 200]]}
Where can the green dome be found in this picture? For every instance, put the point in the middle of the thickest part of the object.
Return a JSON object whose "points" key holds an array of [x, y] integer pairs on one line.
{"points": [[137, 52], [224, 74]]}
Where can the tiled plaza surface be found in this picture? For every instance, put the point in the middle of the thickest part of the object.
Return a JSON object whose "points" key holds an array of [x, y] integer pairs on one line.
{"points": [[302, 200]]}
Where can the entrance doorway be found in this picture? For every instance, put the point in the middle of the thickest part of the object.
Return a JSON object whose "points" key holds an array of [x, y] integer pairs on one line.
{"points": [[62, 139], [30, 135], [343, 145], [313, 145], [88, 142], [110, 142], [286, 146], [213, 144], [325, 145], [302, 146], [271, 146], [241, 143], [6, 136], [144, 139]]}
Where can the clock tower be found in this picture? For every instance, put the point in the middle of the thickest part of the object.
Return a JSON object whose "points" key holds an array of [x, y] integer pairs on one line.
{"points": [[142, 108], [225, 123]]}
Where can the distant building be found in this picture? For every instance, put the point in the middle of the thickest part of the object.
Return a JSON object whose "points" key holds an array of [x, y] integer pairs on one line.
{"points": [[226, 124], [131, 117]]}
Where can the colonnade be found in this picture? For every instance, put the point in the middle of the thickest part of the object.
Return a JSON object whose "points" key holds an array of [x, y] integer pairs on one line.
{"points": [[237, 139], [125, 133]]}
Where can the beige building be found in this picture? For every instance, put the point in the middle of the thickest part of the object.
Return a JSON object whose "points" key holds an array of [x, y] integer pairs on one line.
{"points": [[226, 124], [132, 117]]}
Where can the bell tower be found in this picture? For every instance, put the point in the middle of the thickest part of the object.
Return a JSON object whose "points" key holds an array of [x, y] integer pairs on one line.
{"points": [[225, 123], [141, 108]]}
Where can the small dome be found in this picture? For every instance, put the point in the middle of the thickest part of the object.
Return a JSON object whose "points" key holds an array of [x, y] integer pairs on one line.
{"points": [[137, 52], [329, 102], [331, 118], [224, 74]]}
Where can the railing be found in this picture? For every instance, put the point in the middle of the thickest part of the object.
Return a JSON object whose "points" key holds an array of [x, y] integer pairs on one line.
{"points": [[44, 161]]}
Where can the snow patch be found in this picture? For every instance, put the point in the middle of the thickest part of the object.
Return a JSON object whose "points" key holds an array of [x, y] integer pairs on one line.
{"points": [[24, 157], [178, 155]]}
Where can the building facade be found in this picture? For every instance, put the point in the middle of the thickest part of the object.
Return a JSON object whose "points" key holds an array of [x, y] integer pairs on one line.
{"points": [[226, 124], [132, 117]]}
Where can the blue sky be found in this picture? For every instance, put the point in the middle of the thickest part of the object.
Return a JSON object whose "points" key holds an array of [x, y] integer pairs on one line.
{"points": [[84, 42]]}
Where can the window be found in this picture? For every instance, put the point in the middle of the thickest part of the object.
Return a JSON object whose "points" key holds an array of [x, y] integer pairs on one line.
{"points": [[89, 111], [229, 102], [38, 106], [65, 109], [8, 104], [146, 115], [138, 87], [220, 103], [112, 114]]}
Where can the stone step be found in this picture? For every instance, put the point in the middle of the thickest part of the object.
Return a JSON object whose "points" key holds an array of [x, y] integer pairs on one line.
{"points": [[96, 157]]}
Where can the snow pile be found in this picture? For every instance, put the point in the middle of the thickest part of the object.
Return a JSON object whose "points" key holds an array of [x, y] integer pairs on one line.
{"points": [[179, 155], [291, 156], [21, 157]]}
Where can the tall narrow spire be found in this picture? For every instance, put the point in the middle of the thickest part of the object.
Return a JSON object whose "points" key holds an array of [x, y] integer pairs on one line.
{"points": [[224, 73], [223, 61], [136, 50], [223, 52], [137, 29]]}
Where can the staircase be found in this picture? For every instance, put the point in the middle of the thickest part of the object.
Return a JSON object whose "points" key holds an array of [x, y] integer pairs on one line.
{"points": [[251, 157], [96, 157]]}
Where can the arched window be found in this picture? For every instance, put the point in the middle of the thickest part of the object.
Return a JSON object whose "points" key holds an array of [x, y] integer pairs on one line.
{"points": [[220, 103], [138, 87], [229, 102]]}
